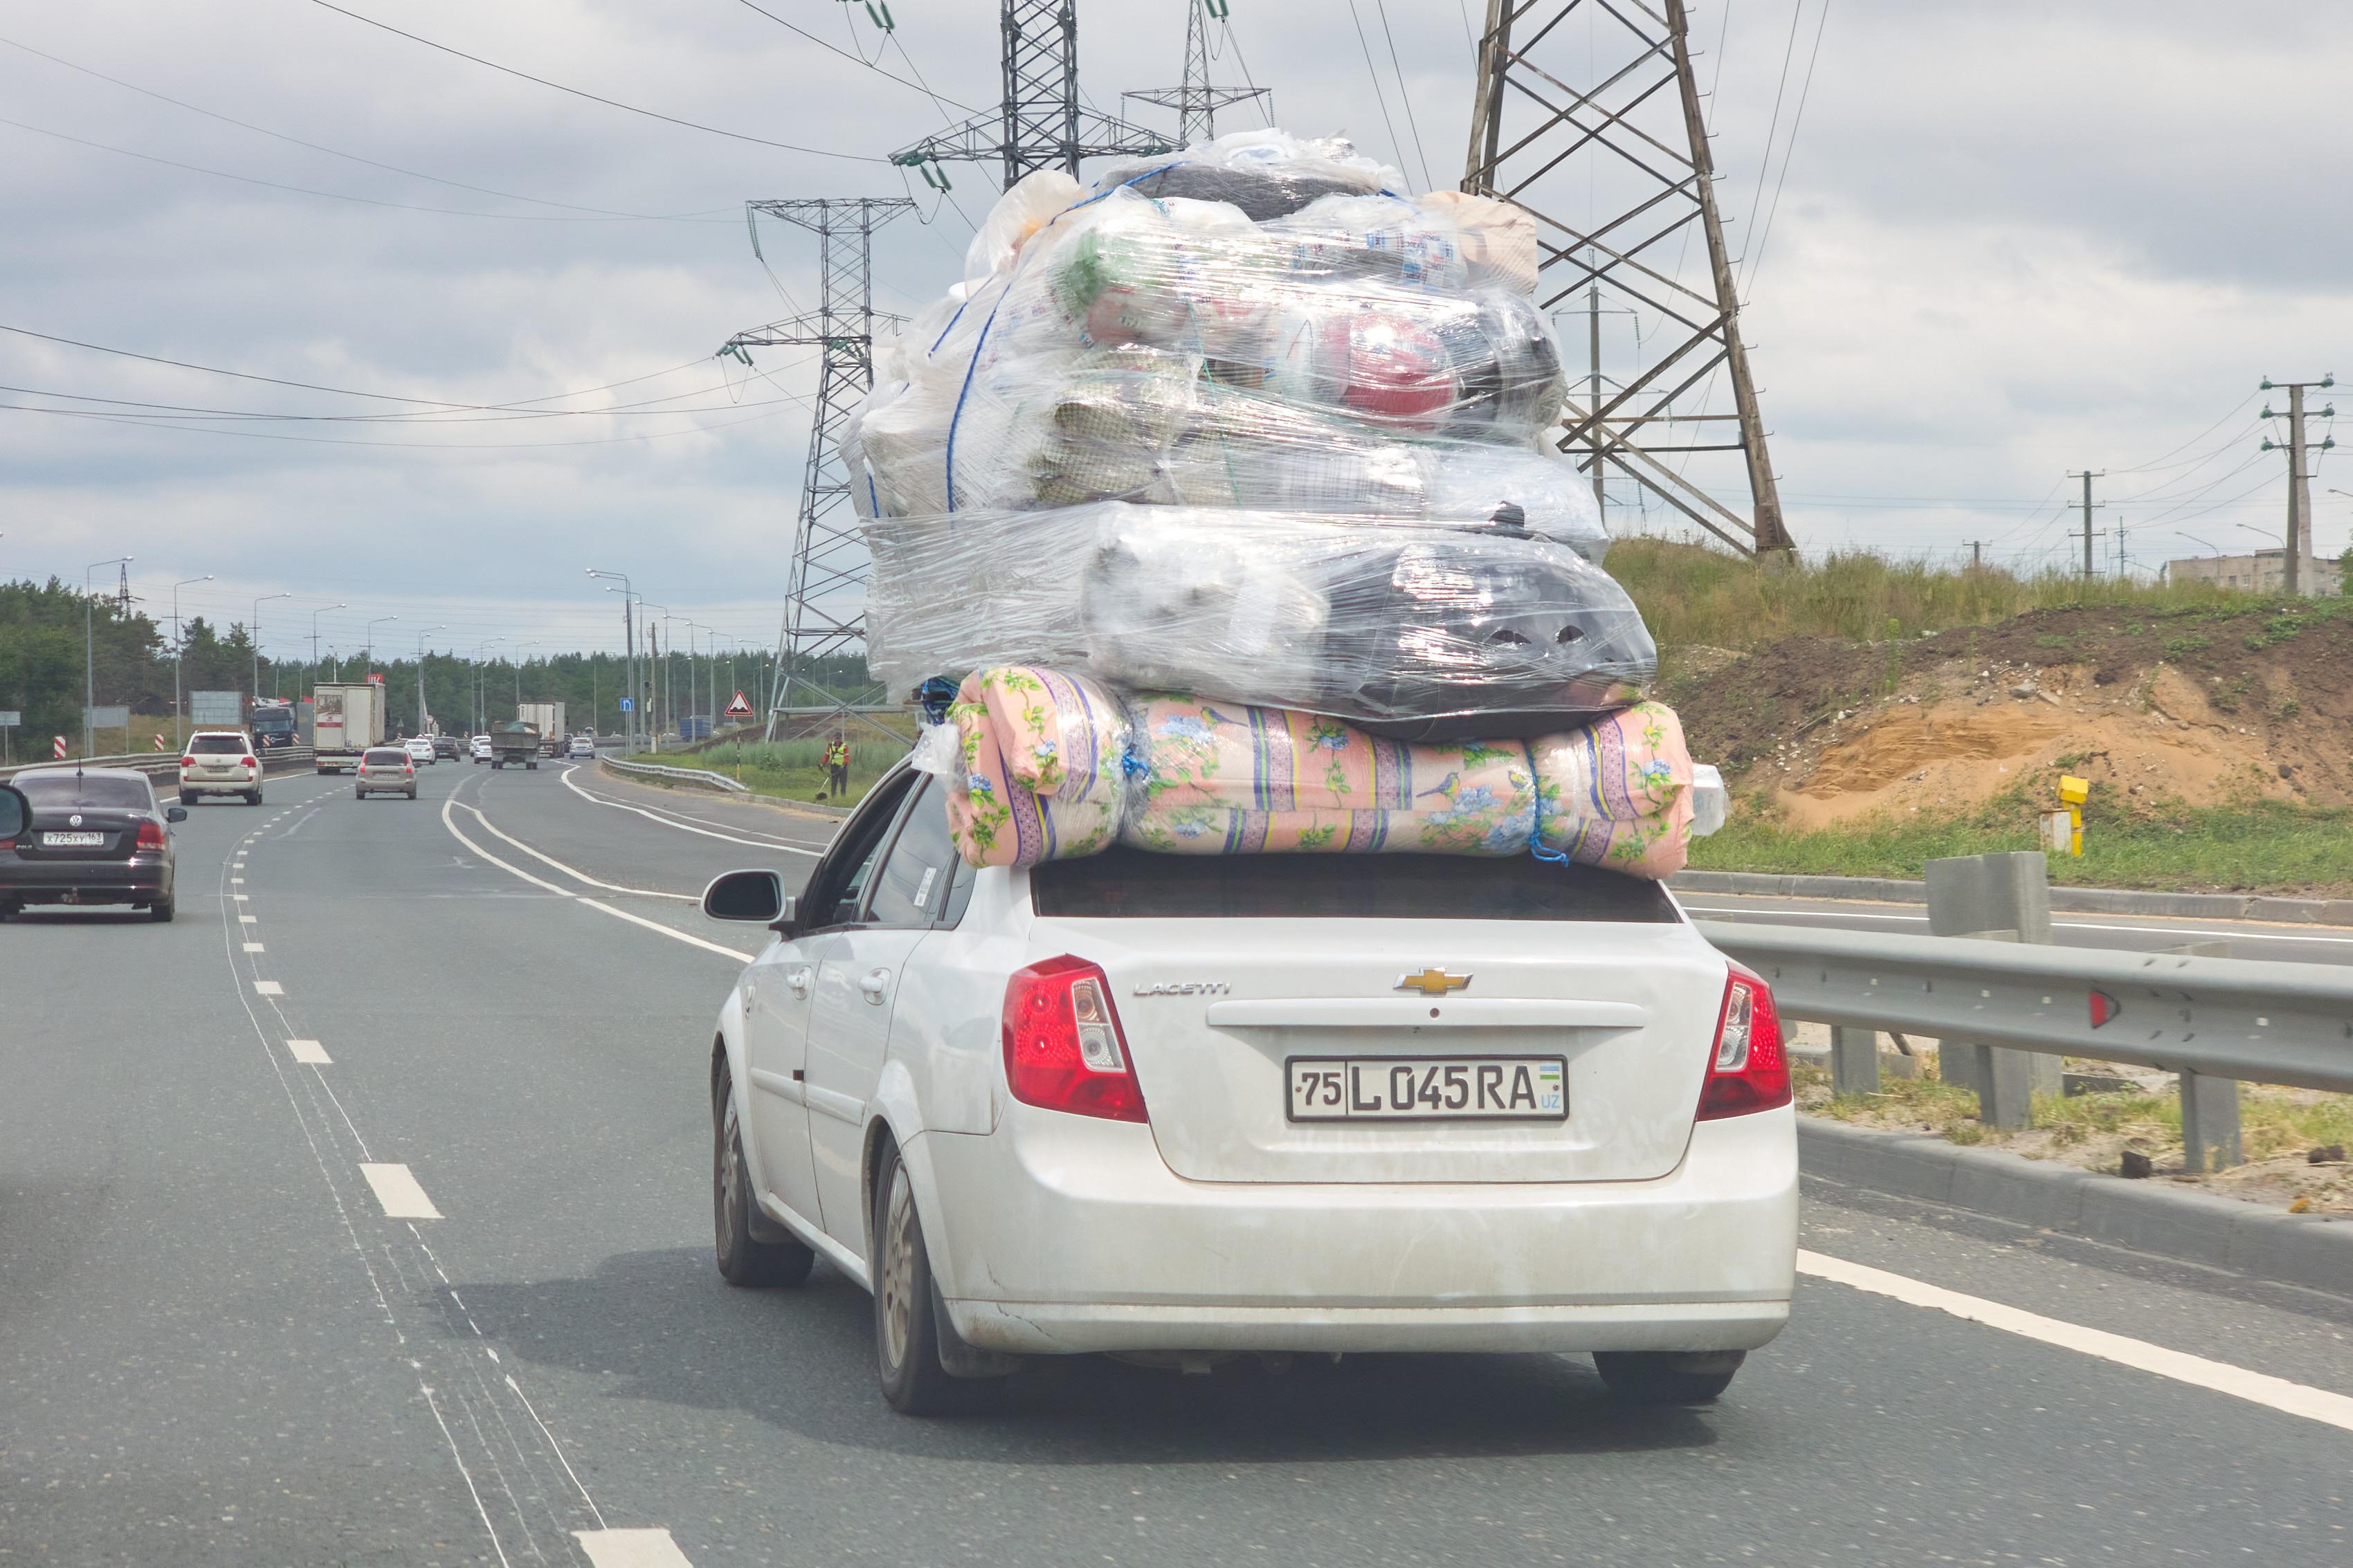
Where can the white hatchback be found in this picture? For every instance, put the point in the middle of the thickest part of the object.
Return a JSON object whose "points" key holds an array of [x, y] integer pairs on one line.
{"points": [[1193, 1107], [220, 761]]}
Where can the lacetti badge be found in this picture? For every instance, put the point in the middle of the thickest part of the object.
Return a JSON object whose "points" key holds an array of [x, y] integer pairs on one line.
{"points": [[1185, 988], [1432, 982]]}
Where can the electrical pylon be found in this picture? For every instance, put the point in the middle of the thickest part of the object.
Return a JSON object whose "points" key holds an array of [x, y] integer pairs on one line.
{"points": [[1040, 124], [1631, 147], [825, 602], [1197, 102]]}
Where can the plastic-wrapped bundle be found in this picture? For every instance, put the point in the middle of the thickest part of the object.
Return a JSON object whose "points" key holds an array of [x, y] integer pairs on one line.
{"points": [[1410, 630], [1042, 767], [1266, 173], [1039, 781]]}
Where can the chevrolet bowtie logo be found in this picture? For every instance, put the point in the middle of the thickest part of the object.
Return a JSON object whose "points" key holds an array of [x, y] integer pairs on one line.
{"points": [[1432, 982]]}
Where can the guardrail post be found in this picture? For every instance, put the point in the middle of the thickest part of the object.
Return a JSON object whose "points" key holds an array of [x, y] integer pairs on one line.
{"points": [[2003, 897], [1855, 1060], [2210, 1105]]}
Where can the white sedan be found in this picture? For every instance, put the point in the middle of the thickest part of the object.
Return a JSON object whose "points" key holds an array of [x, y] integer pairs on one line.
{"points": [[419, 749], [1189, 1108]]}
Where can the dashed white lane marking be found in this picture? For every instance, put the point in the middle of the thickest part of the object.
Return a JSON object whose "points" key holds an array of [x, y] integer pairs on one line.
{"points": [[669, 821], [241, 898], [310, 1053], [253, 947], [397, 1191], [630, 1549], [576, 875], [268, 988], [450, 822], [237, 882], [2257, 1387], [248, 919]]}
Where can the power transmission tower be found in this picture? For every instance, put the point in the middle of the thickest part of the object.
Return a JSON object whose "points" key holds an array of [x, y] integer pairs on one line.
{"points": [[1630, 149], [2087, 477], [1041, 123], [123, 591], [1197, 102], [825, 601], [2299, 476]]}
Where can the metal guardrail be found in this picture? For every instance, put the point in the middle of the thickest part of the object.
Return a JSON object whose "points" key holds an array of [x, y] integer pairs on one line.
{"points": [[684, 775], [2248, 1019], [158, 761]]}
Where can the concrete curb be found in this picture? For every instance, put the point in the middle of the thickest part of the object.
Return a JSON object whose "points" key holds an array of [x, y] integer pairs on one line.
{"points": [[2079, 901], [2145, 1217]]}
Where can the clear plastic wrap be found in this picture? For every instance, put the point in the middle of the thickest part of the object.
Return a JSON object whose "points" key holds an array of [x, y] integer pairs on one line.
{"points": [[1411, 630]]}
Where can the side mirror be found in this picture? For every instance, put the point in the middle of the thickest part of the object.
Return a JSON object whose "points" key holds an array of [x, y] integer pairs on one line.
{"points": [[16, 812], [755, 897], [176, 814]]}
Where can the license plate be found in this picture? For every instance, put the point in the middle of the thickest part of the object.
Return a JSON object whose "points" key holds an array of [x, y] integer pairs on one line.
{"points": [[72, 840], [1428, 1088]]}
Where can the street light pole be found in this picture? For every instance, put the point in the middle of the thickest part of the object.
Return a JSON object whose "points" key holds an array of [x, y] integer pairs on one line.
{"points": [[371, 634], [255, 632], [179, 655], [658, 676], [314, 638], [478, 680], [629, 655], [420, 673], [90, 647]]}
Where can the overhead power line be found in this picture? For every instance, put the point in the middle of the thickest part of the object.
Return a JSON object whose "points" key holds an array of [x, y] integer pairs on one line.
{"points": [[355, 157], [850, 55], [330, 196], [598, 98]]}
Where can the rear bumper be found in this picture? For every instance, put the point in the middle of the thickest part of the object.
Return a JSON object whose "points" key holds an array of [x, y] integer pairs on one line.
{"points": [[142, 880], [220, 786], [1069, 1235]]}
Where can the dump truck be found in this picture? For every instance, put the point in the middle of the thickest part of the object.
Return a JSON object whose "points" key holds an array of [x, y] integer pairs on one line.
{"points": [[515, 743]]}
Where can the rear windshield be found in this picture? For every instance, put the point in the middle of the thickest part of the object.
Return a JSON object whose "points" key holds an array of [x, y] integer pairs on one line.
{"points": [[1124, 882], [386, 758], [94, 789], [204, 745]]}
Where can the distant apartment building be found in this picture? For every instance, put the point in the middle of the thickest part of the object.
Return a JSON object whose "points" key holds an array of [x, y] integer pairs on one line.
{"points": [[2264, 571]]}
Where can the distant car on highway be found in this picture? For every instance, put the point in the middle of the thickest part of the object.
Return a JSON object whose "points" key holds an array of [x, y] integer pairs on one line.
{"points": [[1187, 1107], [419, 749], [582, 746], [95, 836], [385, 770], [478, 748], [220, 761], [445, 746]]}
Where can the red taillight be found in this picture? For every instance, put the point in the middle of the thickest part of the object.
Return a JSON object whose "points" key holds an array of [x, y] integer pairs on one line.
{"points": [[187, 762], [245, 762], [151, 835], [1750, 1071], [408, 768], [1063, 1048]]}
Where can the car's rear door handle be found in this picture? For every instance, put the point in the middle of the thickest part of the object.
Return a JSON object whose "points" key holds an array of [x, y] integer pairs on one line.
{"points": [[798, 979], [876, 983]]}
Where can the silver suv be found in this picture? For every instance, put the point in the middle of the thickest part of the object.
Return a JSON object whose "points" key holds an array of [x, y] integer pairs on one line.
{"points": [[220, 761]]}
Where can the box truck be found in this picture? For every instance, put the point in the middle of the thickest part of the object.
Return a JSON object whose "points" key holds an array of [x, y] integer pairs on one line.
{"points": [[346, 719], [547, 718]]}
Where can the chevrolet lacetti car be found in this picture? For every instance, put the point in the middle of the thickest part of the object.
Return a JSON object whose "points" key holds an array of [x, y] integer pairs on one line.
{"points": [[220, 761], [1184, 1108], [93, 836], [478, 748], [385, 770], [419, 749]]}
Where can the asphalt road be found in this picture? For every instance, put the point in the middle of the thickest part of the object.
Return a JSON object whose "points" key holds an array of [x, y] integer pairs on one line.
{"points": [[219, 1344], [2140, 933]]}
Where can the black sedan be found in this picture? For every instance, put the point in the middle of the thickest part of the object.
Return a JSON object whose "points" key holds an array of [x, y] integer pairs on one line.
{"points": [[94, 837]]}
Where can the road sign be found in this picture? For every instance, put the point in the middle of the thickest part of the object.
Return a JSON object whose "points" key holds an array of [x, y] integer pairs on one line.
{"points": [[58, 748], [106, 717], [10, 717], [628, 705], [212, 708], [739, 709]]}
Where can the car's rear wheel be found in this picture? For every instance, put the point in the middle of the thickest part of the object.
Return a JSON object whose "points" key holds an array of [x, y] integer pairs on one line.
{"points": [[10, 908], [253, 797], [906, 1307], [160, 911], [743, 1258], [188, 797], [1668, 1377]]}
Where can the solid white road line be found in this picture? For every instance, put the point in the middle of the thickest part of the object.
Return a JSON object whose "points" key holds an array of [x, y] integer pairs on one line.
{"points": [[630, 1549], [310, 1052], [450, 822], [397, 1191], [669, 821], [268, 988], [576, 874], [2260, 1388]]}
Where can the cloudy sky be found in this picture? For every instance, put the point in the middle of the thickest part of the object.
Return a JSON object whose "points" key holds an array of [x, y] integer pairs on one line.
{"points": [[2006, 241]]}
